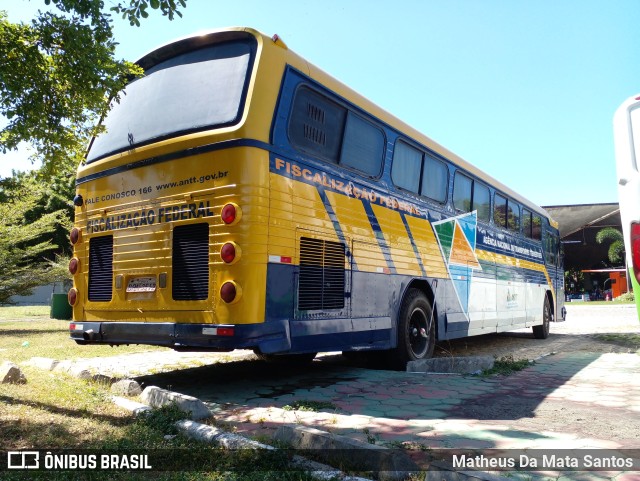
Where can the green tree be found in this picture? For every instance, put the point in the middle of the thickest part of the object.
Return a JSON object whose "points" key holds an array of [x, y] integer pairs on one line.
{"points": [[26, 246], [613, 236], [49, 196], [59, 72]]}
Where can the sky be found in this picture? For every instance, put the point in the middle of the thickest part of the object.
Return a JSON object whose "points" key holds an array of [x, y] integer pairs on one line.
{"points": [[525, 90]]}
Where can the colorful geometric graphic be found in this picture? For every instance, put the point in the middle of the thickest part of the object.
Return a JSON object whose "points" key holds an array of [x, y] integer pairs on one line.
{"points": [[457, 239]]}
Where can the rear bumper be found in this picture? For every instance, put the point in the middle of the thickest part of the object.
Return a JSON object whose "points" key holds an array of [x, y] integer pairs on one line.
{"points": [[269, 337]]}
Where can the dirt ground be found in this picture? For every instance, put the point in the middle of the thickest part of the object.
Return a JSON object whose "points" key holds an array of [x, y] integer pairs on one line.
{"points": [[587, 328]]}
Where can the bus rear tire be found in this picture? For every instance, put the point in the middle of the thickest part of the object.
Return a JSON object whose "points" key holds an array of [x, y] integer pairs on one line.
{"points": [[416, 330], [542, 331]]}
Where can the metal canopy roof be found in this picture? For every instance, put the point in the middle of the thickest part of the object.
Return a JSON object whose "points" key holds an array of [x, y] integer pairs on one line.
{"points": [[573, 218]]}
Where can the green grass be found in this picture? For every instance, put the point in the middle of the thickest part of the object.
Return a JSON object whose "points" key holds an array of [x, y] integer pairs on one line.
{"points": [[312, 406], [56, 411], [24, 312], [623, 338], [601, 303], [43, 337], [507, 365]]}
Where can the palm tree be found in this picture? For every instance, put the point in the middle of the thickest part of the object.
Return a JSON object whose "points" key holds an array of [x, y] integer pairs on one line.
{"points": [[616, 249]]}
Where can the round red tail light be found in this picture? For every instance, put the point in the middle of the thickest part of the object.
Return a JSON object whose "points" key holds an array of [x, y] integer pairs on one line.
{"points": [[74, 235], [229, 214], [228, 292], [74, 263], [72, 296], [228, 252]]}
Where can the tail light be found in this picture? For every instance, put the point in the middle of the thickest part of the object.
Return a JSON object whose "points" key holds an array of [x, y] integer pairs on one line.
{"points": [[72, 296], [230, 292], [230, 252], [74, 264], [74, 236], [230, 213], [635, 249]]}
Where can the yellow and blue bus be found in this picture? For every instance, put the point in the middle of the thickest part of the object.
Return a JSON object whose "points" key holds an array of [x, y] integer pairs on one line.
{"points": [[241, 198], [626, 130]]}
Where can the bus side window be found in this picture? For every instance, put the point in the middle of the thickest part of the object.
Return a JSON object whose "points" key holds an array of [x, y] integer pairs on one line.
{"points": [[462, 186], [551, 246], [527, 223], [405, 171], [316, 125], [482, 201], [435, 179], [363, 146], [500, 211], [513, 216], [536, 227]]}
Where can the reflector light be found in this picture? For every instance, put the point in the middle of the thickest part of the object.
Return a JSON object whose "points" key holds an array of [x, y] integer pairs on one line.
{"points": [[228, 213], [228, 252], [635, 249], [74, 236], [74, 263], [224, 331], [72, 296], [228, 292]]}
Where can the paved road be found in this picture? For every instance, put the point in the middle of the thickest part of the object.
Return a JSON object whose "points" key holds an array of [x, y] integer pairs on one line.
{"points": [[586, 395]]}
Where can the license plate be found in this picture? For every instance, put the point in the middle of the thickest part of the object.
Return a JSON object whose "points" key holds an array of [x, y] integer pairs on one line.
{"points": [[141, 284]]}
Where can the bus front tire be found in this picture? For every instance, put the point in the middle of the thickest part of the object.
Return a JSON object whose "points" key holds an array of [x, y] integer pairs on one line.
{"points": [[416, 330], [542, 331]]}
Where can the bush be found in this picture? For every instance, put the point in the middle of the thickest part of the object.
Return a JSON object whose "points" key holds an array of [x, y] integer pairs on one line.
{"points": [[626, 297]]}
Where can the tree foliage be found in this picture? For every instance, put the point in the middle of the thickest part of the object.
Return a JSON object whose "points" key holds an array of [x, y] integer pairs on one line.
{"points": [[614, 237], [58, 73], [26, 246]]}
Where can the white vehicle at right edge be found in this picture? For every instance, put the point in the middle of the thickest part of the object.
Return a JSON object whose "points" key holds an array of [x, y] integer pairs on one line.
{"points": [[626, 131]]}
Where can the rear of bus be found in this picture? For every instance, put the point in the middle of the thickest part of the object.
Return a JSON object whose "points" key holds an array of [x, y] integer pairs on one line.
{"points": [[626, 126], [172, 202]]}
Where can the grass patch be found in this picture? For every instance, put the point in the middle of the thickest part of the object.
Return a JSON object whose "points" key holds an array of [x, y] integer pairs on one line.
{"points": [[54, 411], [613, 303], [312, 406], [80, 415], [22, 340], [629, 339], [24, 312], [507, 365]]}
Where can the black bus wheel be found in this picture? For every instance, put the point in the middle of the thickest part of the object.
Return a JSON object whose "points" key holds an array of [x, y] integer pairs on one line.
{"points": [[542, 331], [416, 329]]}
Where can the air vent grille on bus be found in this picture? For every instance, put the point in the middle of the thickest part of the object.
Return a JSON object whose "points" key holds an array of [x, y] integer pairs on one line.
{"points": [[101, 268], [191, 262], [314, 131], [322, 281]]}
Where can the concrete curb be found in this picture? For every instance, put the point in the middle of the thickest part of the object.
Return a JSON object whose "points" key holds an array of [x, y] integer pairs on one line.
{"points": [[394, 465], [218, 437], [459, 365], [390, 464], [156, 397], [135, 407]]}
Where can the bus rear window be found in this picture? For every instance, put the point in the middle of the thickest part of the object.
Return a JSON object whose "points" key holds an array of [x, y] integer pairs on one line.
{"points": [[197, 90]]}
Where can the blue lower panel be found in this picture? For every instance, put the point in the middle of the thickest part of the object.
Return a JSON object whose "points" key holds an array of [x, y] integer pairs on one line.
{"points": [[340, 334], [269, 337]]}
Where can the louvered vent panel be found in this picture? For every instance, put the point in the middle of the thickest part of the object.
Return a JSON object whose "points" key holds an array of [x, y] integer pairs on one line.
{"points": [[322, 281], [191, 262], [101, 268], [314, 128]]}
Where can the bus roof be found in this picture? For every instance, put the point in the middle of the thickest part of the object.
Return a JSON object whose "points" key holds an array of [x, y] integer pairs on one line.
{"points": [[201, 39]]}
